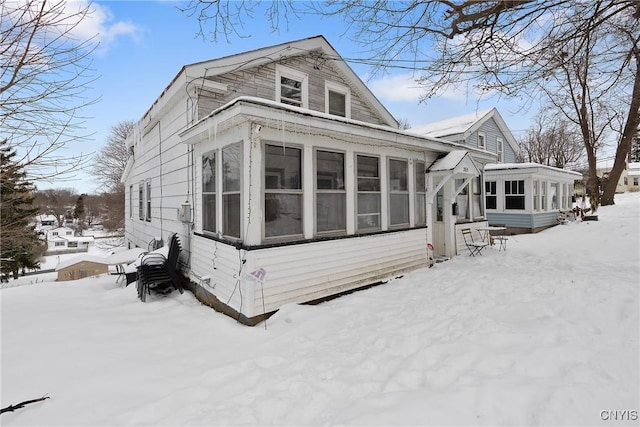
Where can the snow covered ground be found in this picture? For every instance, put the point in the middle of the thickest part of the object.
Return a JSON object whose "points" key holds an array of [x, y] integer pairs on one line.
{"points": [[546, 333]]}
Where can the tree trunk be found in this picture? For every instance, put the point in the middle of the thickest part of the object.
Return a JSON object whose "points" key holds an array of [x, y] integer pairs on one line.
{"points": [[630, 130]]}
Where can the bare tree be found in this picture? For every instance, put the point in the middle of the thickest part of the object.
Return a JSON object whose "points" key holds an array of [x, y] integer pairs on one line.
{"points": [[44, 76], [56, 201], [110, 162], [551, 141], [509, 47]]}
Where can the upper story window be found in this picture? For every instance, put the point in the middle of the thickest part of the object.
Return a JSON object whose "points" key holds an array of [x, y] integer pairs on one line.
{"points": [[337, 99], [481, 140], [292, 87], [500, 150]]}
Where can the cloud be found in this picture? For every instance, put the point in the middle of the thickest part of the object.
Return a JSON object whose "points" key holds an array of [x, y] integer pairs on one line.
{"points": [[399, 87], [100, 25]]}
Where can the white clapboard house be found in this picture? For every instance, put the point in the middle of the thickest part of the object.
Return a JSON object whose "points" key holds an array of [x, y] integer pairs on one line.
{"points": [[287, 181]]}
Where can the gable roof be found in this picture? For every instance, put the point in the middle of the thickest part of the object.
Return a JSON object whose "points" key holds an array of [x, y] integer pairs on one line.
{"points": [[466, 125], [195, 73]]}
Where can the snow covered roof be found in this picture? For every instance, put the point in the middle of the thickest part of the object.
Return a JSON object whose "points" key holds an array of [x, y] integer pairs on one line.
{"points": [[633, 169], [465, 125], [511, 166], [457, 161], [452, 126], [81, 258], [124, 257]]}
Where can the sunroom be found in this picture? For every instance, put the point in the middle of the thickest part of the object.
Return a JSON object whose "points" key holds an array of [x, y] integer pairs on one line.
{"points": [[294, 206]]}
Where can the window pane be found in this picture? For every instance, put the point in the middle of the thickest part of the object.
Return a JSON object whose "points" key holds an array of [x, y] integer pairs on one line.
{"points": [[231, 160], [231, 215], [283, 214], [283, 166], [209, 172], [491, 202], [397, 175], [337, 104], [368, 166], [368, 203], [330, 170], [368, 184], [209, 212], [368, 221], [421, 186], [514, 202], [421, 216], [330, 212], [399, 209]]}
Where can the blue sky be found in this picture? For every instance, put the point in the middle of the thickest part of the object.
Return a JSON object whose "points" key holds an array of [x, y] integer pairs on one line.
{"points": [[144, 44]]}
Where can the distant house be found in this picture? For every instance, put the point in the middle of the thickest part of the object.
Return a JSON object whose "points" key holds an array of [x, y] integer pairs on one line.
{"points": [[81, 267], [62, 240], [484, 130], [603, 169], [287, 180], [633, 176], [46, 221], [527, 197]]}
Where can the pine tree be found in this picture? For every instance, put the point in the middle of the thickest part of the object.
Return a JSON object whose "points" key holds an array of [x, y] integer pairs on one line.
{"points": [[20, 246], [79, 214]]}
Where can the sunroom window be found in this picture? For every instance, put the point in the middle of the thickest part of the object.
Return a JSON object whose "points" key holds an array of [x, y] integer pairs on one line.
{"points": [[368, 175], [209, 192], [330, 192], [514, 195], [231, 173], [421, 190], [398, 193], [491, 198], [283, 191]]}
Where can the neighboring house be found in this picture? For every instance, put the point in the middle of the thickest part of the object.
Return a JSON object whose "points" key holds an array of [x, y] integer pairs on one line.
{"points": [[633, 176], [46, 221], [527, 197], [484, 130], [287, 181], [62, 240], [81, 267], [603, 168]]}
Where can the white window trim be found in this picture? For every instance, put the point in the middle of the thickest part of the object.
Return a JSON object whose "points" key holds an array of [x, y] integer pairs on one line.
{"points": [[500, 150], [341, 89], [316, 190], [379, 192], [391, 192], [483, 137], [282, 71], [148, 200]]}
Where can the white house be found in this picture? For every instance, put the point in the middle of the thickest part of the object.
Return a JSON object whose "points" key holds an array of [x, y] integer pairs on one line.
{"points": [[62, 239], [633, 176], [286, 180]]}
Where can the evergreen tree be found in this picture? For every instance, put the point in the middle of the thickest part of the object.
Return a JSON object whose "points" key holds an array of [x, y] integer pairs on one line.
{"points": [[20, 246], [79, 214]]}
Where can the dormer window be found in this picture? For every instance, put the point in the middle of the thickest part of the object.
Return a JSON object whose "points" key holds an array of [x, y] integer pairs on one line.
{"points": [[337, 100], [292, 87]]}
